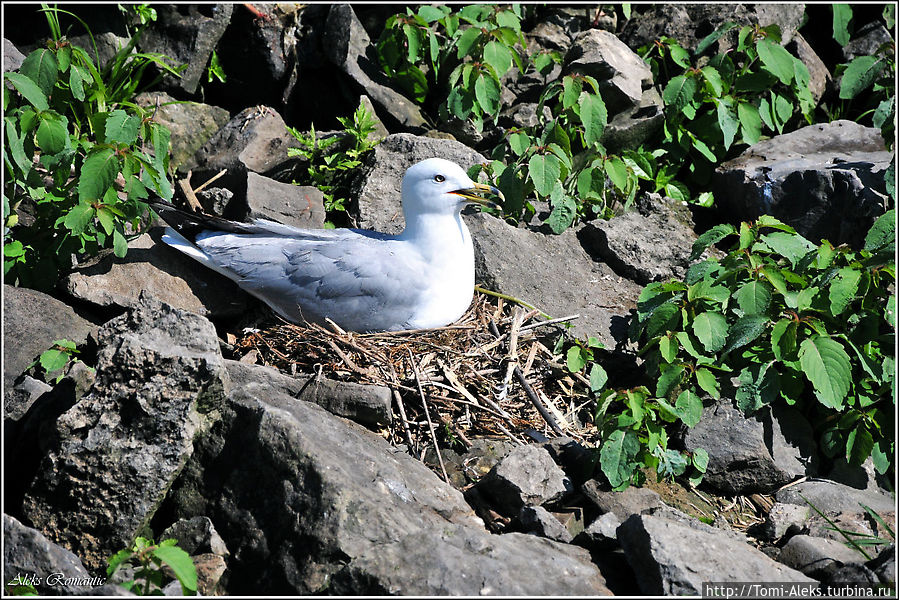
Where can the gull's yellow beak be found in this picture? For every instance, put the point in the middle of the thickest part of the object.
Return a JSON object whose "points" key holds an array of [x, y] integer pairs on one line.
{"points": [[475, 195]]}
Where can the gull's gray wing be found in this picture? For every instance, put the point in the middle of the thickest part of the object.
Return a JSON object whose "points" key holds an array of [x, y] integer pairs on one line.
{"points": [[361, 280]]}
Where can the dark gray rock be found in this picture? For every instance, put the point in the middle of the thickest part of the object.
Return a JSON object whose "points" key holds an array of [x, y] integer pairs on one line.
{"points": [[550, 36], [296, 205], [784, 519], [689, 23], [347, 45], [12, 58], [554, 273], [602, 534], [634, 124], [522, 116], [188, 34], [20, 398], [819, 74], [191, 124], [621, 74], [527, 475], [670, 558], [308, 502], [864, 477], [867, 41], [107, 43], [623, 504], [154, 268], [824, 180], [380, 194], [574, 458], [651, 243], [757, 453], [196, 535], [30, 558], [816, 556], [256, 139], [884, 565], [832, 497], [536, 520], [368, 405], [32, 321], [160, 378]]}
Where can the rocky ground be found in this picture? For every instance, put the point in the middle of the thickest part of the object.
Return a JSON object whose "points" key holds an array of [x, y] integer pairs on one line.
{"points": [[276, 489]]}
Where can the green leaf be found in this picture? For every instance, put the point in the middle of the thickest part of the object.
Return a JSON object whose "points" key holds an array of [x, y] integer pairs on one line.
{"points": [[860, 74], [486, 90], [53, 360], [119, 244], [413, 42], [519, 143], [106, 218], [122, 128], [728, 124], [465, 41], [77, 77], [617, 457], [777, 60], [617, 172], [708, 382], [181, 564], [544, 170], [754, 298], [29, 90], [668, 380], [41, 67], [842, 16], [576, 359], [711, 329], [713, 37], [713, 80], [882, 233], [668, 348], [792, 246], [680, 56], [680, 91], [430, 13], [783, 339], [97, 173], [598, 378], [52, 134], [689, 408], [78, 217], [700, 460], [827, 366], [498, 56], [759, 387], [712, 236], [593, 116], [843, 288], [859, 444], [684, 338], [664, 318], [704, 149], [745, 330], [882, 456]]}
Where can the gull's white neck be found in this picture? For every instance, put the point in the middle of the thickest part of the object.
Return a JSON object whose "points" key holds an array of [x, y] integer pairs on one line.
{"points": [[445, 243]]}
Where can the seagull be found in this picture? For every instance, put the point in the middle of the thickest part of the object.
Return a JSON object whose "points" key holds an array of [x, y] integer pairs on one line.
{"points": [[363, 281]]}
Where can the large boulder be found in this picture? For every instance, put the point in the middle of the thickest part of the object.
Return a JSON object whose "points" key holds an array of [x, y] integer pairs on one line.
{"points": [[296, 205], [110, 459], [827, 181], [308, 502], [32, 321]]}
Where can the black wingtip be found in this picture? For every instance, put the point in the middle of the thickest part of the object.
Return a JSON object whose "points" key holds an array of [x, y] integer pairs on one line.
{"points": [[191, 224]]}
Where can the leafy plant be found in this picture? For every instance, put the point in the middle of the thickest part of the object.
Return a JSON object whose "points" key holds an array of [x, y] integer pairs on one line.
{"points": [[715, 104], [81, 151], [332, 158], [148, 559], [458, 57], [57, 358], [17, 587], [215, 69], [797, 324]]}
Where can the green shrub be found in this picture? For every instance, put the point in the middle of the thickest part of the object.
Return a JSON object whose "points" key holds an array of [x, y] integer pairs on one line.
{"points": [[82, 151], [796, 324], [149, 577]]}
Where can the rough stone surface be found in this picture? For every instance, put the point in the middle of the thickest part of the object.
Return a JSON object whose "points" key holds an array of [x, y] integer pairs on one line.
{"points": [[554, 273], [299, 206], [159, 374], [537, 520], [819, 75], [757, 453], [306, 502], [689, 23], [347, 45], [525, 476], [623, 504], [602, 534], [32, 321], [12, 58], [621, 74], [187, 34], [191, 123], [196, 535], [153, 267], [831, 497], [369, 405], [107, 43], [670, 558], [651, 243], [28, 553], [634, 124], [884, 565], [22, 395], [825, 180], [815, 556], [867, 40], [379, 198], [784, 519]]}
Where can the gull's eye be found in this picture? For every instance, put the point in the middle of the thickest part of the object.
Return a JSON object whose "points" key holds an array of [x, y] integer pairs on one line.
{"points": [[439, 178]]}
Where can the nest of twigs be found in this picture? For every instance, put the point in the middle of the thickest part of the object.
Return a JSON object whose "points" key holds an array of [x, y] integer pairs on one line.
{"points": [[493, 373]]}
